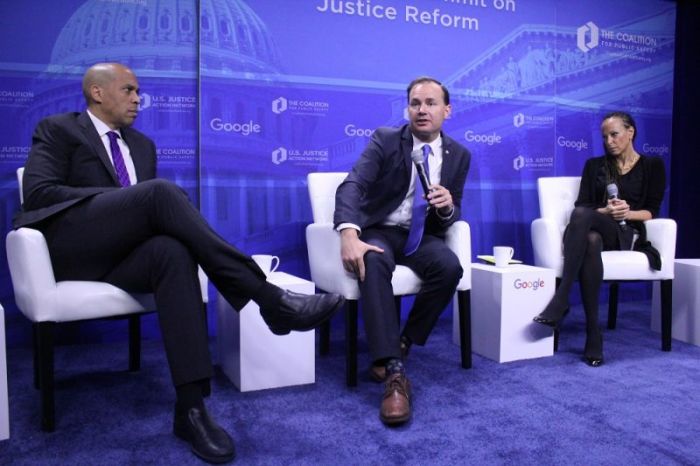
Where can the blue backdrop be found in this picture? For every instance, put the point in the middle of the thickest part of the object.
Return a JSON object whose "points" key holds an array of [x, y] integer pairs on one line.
{"points": [[244, 98]]}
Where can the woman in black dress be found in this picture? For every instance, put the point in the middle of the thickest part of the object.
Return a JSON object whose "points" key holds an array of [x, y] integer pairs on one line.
{"points": [[602, 222]]}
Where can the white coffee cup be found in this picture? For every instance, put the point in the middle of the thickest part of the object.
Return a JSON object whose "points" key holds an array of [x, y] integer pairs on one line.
{"points": [[267, 263], [502, 255]]}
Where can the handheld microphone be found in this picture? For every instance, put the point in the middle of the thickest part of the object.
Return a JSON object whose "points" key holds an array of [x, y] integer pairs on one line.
{"points": [[417, 157], [613, 194]]}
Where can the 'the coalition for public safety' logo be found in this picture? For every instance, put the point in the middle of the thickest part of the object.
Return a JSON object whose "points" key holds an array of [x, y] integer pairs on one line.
{"points": [[587, 36], [307, 107], [518, 120], [279, 105]]}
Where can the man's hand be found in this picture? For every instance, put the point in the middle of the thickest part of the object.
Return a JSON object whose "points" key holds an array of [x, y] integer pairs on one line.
{"points": [[353, 250], [440, 198]]}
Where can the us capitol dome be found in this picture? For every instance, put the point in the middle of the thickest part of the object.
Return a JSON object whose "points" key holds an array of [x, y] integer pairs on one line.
{"points": [[162, 35], [157, 39]]}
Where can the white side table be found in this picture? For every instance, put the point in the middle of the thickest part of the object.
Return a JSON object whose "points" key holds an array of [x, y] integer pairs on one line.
{"points": [[4, 408], [503, 302], [685, 302], [252, 356]]}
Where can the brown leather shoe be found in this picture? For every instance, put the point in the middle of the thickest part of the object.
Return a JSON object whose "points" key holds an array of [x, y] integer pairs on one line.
{"points": [[396, 403], [378, 373]]}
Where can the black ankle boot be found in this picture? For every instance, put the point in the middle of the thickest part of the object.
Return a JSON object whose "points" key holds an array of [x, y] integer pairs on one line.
{"points": [[593, 352]]}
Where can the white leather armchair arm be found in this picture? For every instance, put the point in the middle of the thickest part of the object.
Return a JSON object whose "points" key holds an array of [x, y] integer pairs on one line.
{"points": [[661, 232], [459, 240], [547, 244], [325, 263]]}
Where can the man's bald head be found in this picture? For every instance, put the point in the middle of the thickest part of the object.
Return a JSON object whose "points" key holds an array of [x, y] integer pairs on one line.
{"points": [[100, 74], [111, 93]]}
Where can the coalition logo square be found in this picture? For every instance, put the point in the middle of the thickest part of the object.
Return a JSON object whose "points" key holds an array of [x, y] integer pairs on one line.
{"points": [[300, 106]]}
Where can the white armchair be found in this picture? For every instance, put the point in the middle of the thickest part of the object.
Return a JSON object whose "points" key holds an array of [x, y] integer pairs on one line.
{"points": [[556, 197], [327, 272], [46, 302]]}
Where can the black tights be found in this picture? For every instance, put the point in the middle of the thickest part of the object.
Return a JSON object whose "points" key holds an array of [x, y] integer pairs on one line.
{"points": [[589, 234]]}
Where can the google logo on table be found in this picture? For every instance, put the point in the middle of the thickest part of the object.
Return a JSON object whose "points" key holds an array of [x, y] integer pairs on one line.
{"points": [[519, 284]]}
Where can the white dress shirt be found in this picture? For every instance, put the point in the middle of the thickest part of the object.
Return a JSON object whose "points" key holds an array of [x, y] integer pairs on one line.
{"points": [[102, 130], [402, 215]]}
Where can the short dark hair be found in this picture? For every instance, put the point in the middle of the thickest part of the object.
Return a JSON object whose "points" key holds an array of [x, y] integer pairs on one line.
{"points": [[428, 79], [627, 120]]}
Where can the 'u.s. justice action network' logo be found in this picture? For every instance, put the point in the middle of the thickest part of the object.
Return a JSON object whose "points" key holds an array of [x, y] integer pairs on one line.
{"points": [[587, 36]]}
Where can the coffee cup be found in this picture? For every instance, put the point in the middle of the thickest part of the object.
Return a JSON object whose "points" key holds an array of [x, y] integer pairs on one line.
{"points": [[502, 255], [267, 263]]}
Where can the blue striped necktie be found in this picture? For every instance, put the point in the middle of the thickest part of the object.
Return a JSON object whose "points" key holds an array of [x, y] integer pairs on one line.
{"points": [[118, 159], [419, 211]]}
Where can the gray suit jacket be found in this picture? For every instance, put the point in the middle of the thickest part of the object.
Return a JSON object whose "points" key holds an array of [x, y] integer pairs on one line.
{"points": [[379, 181], [68, 163]]}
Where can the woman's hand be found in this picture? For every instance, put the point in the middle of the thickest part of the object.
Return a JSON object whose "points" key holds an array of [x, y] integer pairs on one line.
{"points": [[618, 209]]}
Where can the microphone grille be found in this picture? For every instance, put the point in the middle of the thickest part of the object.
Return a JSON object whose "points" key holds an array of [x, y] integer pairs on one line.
{"points": [[417, 156], [612, 190]]}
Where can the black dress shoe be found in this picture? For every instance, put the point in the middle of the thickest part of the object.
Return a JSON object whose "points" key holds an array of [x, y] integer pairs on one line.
{"points": [[207, 439], [295, 311]]}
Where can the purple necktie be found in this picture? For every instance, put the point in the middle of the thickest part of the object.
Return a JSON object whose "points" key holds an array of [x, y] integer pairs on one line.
{"points": [[419, 211], [118, 159]]}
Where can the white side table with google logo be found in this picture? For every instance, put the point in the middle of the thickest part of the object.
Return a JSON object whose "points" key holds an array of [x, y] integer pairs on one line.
{"points": [[503, 302]]}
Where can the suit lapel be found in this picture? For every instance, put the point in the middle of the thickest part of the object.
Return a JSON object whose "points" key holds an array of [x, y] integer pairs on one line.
{"points": [[406, 149], [96, 144], [136, 153], [449, 161]]}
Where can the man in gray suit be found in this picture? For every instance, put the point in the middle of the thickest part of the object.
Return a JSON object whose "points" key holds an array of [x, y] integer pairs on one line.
{"points": [[90, 186], [383, 221]]}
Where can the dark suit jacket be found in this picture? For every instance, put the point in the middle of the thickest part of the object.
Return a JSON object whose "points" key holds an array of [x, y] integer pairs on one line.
{"points": [[68, 163], [379, 181]]}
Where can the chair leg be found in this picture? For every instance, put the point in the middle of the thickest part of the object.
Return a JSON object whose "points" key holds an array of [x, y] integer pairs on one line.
{"points": [[44, 348], [666, 314], [134, 343], [351, 343], [35, 352], [465, 327], [612, 305], [397, 306], [324, 344], [557, 282]]}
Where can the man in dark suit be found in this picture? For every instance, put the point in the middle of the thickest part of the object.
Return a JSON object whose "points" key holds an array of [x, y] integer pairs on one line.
{"points": [[90, 187], [382, 223]]}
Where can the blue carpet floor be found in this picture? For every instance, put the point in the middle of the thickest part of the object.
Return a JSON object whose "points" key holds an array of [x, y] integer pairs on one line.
{"points": [[641, 407]]}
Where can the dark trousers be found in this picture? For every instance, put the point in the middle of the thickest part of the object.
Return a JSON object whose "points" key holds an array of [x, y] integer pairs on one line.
{"points": [[150, 238], [433, 262]]}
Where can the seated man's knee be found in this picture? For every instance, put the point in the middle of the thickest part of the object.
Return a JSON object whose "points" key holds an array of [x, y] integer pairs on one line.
{"points": [[161, 188], [378, 261], [451, 268], [167, 249]]}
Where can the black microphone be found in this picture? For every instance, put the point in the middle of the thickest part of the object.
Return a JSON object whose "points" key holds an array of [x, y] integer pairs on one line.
{"points": [[417, 157], [612, 194]]}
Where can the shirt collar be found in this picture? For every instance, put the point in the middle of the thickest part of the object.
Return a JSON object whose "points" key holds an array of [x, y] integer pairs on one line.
{"points": [[101, 126], [435, 145]]}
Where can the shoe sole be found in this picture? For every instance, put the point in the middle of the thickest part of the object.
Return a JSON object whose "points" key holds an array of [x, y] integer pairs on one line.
{"points": [[393, 421], [321, 321], [182, 435]]}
